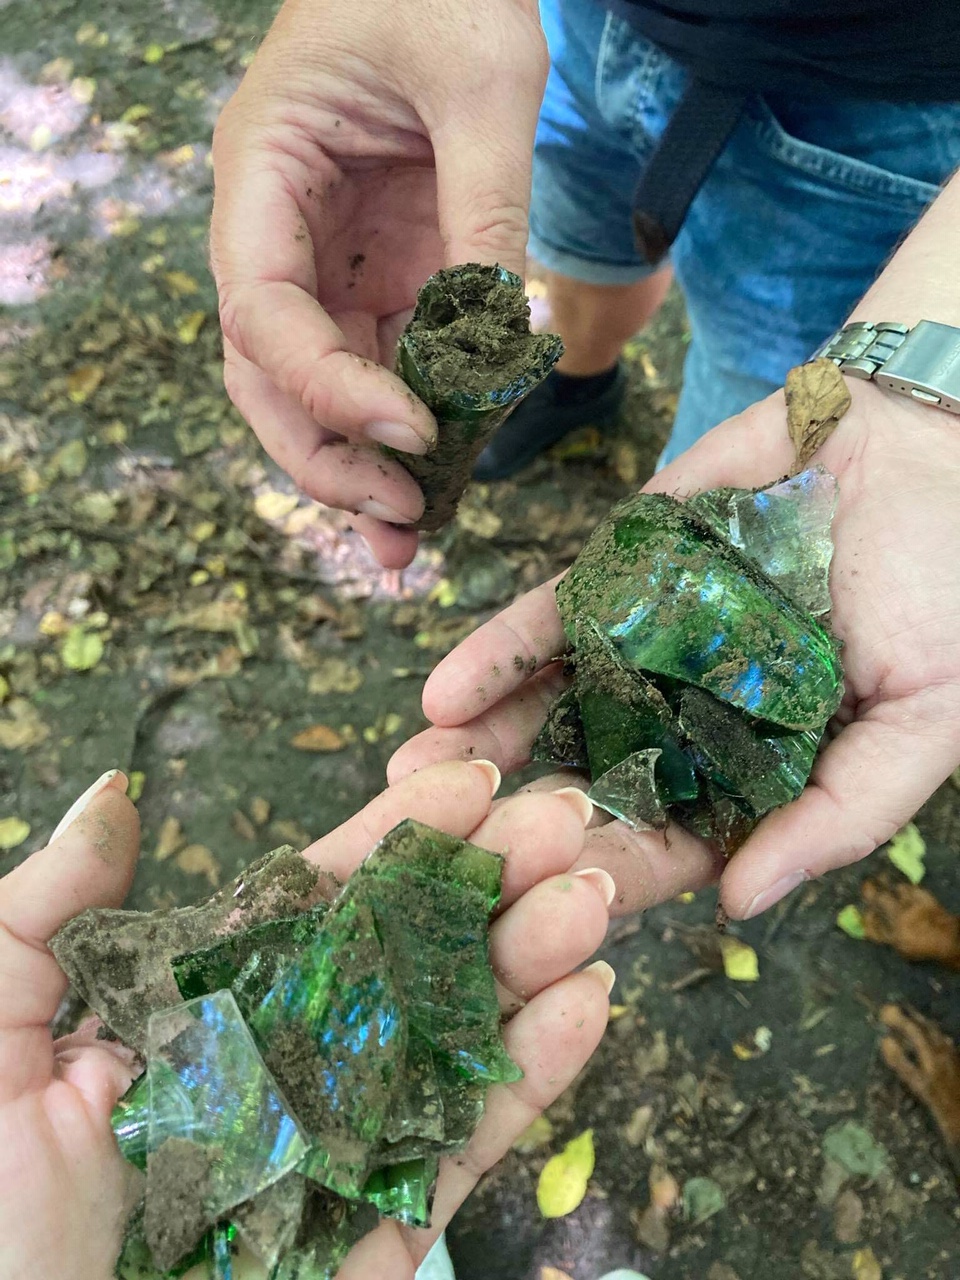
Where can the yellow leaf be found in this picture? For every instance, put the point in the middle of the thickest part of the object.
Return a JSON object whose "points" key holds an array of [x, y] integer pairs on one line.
{"points": [[70, 460], [41, 137], [86, 34], [537, 1134], [83, 382], [53, 624], [564, 1178], [199, 577], [850, 920], [319, 737], [865, 1265], [23, 729], [124, 226], [153, 53], [82, 89], [260, 810], [169, 840], [139, 111], [906, 851], [13, 832], [273, 505], [113, 433], [180, 284], [135, 787], [739, 960], [197, 860], [4, 688], [552, 1273], [202, 531], [81, 650], [189, 326], [616, 1011]]}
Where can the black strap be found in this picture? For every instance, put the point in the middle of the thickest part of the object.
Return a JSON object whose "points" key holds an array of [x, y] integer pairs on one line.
{"points": [[695, 135]]}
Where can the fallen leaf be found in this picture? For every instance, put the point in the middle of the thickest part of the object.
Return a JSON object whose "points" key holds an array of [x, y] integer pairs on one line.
{"points": [[564, 1178], [82, 89], [180, 284], [817, 398], [851, 1145], [739, 960], [865, 1266], [906, 851], [226, 662], [53, 624], [197, 860], [23, 728], [83, 382], [81, 649], [13, 832], [136, 112], [319, 737], [169, 840], [216, 616], [135, 788], [97, 507], [260, 810], [552, 1273], [639, 1126], [70, 459], [274, 505], [334, 675], [189, 326], [243, 826], [616, 1011], [702, 1198], [536, 1135], [203, 530], [153, 53], [479, 521], [850, 920], [848, 1217], [4, 688]]}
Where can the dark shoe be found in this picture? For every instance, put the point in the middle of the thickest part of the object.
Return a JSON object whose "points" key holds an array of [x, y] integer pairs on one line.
{"points": [[548, 414]]}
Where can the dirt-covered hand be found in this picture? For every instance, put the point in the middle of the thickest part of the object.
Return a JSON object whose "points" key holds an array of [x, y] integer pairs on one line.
{"points": [[63, 1183], [368, 145], [895, 584]]}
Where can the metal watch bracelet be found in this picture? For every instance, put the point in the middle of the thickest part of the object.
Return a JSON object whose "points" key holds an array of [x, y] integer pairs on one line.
{"points": [[922, 363]]}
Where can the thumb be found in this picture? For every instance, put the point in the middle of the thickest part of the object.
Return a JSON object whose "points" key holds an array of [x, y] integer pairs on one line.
{"points": [[483, 150]]}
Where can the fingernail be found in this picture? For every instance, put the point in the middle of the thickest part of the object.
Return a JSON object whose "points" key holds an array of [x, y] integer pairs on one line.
{"points": [[776, 891], [78, 806], [397, 435], [492, 773], [380, 511], [602, 881], [604, 972], [579, 801]]}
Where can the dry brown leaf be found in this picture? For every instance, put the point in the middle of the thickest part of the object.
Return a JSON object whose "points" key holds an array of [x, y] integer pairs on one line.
{"points": [[22, 728], [218, 615], [169, 840], [334, 675], [817, 398], [228, 661], [319, 737], [83, 382], [197, 860]]}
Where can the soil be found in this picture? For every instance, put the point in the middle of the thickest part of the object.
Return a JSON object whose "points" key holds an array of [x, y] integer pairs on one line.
{"points": [[178, 1195], [470, 354]]}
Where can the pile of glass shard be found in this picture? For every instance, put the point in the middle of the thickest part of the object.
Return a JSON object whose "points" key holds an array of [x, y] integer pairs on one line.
{"points": [[703, 679], [311, 1051]]}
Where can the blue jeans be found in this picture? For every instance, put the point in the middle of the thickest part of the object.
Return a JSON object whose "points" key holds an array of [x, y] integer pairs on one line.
{"points": [[802, 209]]}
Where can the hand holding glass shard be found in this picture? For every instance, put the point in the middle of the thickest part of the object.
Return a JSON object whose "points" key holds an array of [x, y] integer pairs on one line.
{"points": [[703, 679]]}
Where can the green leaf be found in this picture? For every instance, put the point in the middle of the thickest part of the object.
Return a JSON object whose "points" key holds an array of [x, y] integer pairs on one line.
{"points": [[850, 920], [13, 832], [82, 650], [702, 1198], [855, 1148], [564, 1178], [906, 851]]}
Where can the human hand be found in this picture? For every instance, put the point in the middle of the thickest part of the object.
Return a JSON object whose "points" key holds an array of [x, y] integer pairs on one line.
{"points": [[368, 145], [62, 1180], [895, 584]]}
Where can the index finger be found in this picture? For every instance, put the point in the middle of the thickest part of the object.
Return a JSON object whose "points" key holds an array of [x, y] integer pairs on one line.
{"points": [[263, 260], [497, 659]]}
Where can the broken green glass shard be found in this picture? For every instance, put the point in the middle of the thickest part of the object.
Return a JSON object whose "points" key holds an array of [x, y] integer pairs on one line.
{"points": [[741, 757], [468, 353], [629, 791], [402, 1191], [785, 529], [220, 1130], [120, 962], [561, 740], [130, 1122], [678, 601]]}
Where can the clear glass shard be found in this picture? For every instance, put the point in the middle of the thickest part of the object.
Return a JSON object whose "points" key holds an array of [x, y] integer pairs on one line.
{"points": [[269, 1223], [220, 1130], [629, 791], [786, 530]]}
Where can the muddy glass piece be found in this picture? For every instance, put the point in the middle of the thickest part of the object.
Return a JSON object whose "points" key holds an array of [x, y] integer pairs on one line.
{"points": [[402, 1191], [329, 1228], [629, 791], [269, 1224], [220, 1130], [785, 529], [120, 962], [468, 353], [562, 740], [678, 601]]}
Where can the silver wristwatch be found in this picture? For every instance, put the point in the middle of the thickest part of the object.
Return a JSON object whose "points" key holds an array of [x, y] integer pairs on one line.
{"points": [[922, 362]]}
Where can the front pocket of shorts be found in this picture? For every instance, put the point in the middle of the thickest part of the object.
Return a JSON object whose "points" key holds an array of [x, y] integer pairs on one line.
{"points": [[629, 78], [833, 169]]}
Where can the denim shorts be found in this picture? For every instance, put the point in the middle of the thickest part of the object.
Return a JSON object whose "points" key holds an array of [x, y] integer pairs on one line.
{"points": [[799, 214]]}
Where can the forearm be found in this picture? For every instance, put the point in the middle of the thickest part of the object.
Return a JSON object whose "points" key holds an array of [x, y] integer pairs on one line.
{"points": [[920, 281]]}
